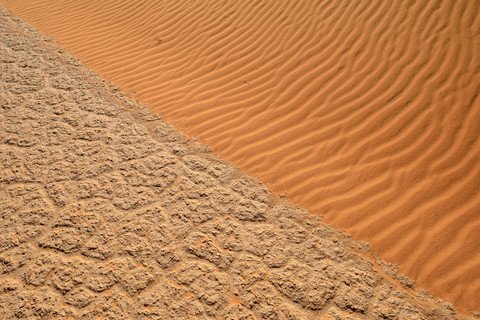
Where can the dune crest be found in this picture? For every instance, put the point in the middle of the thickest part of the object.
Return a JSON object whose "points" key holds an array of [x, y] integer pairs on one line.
{"points": [[366, 112]]}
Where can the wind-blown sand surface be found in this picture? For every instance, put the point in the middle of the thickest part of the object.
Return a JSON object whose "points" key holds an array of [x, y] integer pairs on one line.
{"points": [[366, 112], [107, 212]]}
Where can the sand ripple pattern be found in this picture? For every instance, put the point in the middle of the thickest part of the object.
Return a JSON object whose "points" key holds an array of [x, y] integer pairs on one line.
{"points": [[364, 111], [108, 212]]}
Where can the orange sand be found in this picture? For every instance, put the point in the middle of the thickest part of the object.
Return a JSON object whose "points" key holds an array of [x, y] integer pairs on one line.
{"points": [[364, 111]]}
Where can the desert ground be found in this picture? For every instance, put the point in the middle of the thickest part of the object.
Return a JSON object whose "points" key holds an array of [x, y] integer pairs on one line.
{"points": [[366, 113], [108, 212]]}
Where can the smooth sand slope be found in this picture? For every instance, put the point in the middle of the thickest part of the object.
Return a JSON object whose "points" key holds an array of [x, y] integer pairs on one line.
{"points": [[366, 112], [108, 212]]}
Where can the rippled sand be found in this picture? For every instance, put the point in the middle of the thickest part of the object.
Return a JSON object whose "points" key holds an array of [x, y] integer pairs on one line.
{"points": [[366, 112], [108, 212]]}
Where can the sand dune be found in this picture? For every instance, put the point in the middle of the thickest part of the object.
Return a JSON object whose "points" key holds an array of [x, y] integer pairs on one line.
{"points": [[366, 112], [108, 212]]}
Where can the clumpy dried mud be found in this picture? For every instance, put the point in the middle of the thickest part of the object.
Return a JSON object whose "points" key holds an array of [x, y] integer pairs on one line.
{"points": [[107, 212]]}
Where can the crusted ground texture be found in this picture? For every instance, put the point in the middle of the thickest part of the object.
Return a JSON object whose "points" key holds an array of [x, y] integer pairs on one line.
{"points": [[107, 212]]}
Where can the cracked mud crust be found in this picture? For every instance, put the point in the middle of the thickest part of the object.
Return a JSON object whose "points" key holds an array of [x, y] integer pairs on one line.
{"points": [[107, 212]]}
